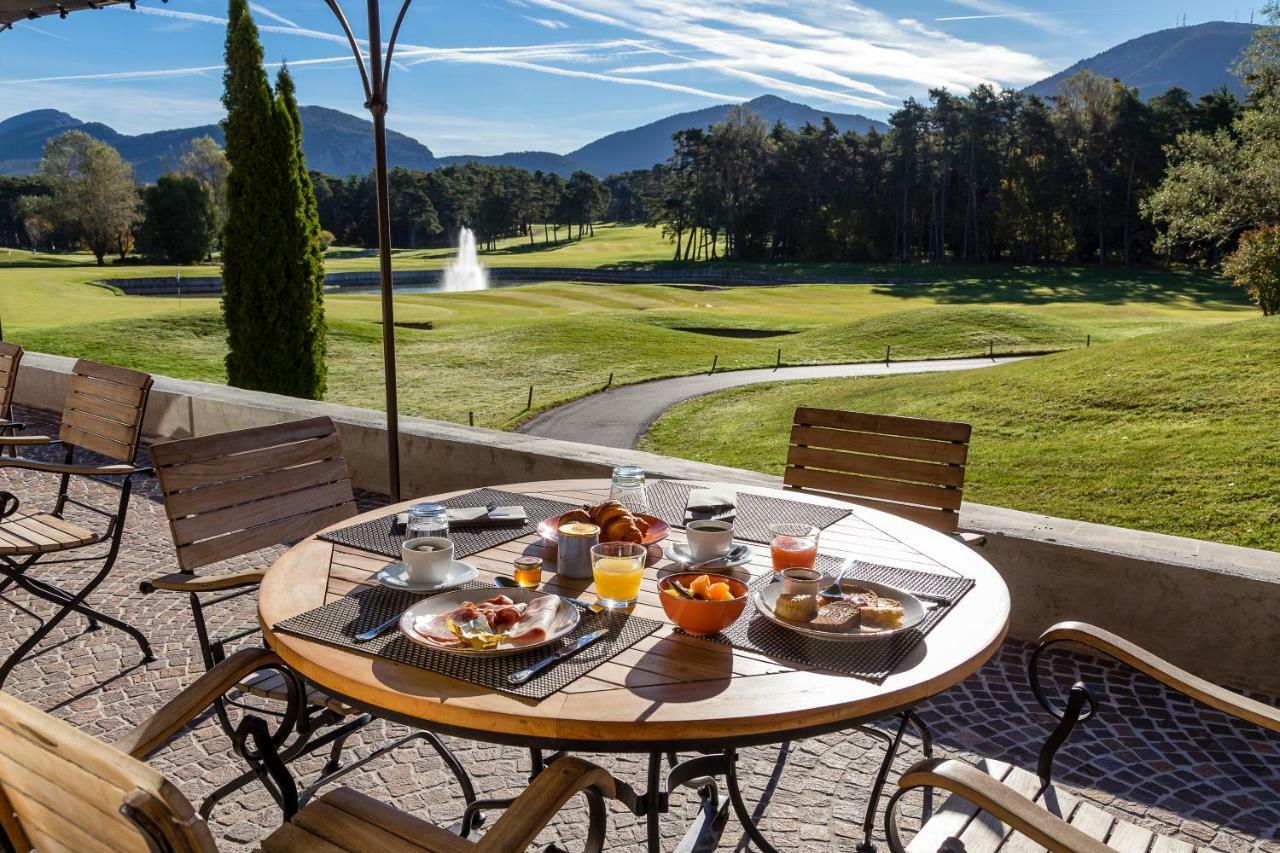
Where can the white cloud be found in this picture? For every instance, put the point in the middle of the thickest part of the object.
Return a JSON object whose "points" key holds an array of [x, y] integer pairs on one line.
{"points": [[549, 23], [988, 9]]}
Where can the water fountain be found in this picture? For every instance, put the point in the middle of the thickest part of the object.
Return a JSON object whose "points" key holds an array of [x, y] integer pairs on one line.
{"points": [[466, 272]]}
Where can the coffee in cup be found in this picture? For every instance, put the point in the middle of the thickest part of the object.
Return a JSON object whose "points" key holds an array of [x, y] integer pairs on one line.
{"points": [[427, 559], [709, 538]]}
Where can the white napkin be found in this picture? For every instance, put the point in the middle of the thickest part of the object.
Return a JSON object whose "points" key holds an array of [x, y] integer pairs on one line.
{"points": [[711, 500]]}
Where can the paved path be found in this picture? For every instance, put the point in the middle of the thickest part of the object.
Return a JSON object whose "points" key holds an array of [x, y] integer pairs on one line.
{"points": [[620, 416]]}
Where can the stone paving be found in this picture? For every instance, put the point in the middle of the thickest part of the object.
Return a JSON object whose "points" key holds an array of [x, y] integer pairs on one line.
{"points": [[1151, 755]]}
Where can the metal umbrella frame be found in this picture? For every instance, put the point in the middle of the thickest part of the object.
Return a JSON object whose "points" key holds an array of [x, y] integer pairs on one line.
{"points": [[374, 72]]}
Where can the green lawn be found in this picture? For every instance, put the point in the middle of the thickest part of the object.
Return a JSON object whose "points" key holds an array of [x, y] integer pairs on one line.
{"points": [[485, 349], [1172, 432]]}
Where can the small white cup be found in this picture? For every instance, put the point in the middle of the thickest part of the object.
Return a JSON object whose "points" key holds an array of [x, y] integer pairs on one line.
{"points": [[427, 559], [709, 538]]}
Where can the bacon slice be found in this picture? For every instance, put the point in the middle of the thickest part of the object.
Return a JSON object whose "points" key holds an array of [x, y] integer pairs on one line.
{"points": [[535, 624]]}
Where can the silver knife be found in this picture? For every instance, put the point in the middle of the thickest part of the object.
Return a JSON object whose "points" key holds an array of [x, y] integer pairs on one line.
{"points": [[572, 649]]}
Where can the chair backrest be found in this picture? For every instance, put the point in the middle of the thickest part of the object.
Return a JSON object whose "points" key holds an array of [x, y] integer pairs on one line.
{"points": [[10, 358], [61, 789], [910, 467], [104, 409], [235, 492]]}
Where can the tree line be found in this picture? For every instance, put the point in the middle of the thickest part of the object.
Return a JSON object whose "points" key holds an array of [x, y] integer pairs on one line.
{"points": [[982, 177], [495, 202]]}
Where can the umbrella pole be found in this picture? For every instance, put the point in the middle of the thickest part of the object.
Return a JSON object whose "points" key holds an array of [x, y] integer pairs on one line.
{"points": [[378, 107]]}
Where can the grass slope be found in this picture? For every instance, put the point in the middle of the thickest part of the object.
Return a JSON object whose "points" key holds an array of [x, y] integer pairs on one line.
{"points": [[1174, 432]]}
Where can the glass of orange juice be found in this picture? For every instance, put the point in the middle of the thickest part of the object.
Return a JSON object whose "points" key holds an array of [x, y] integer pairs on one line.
{"points": [[793, 546], [618, 568]]}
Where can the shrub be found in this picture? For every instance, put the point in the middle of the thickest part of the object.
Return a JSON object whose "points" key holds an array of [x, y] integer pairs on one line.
{"points": [[1255, 266]]}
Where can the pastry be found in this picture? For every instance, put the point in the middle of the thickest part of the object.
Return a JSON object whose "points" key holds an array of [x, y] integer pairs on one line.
{"points": [[796, 608], [837, 617], [884, 613]]}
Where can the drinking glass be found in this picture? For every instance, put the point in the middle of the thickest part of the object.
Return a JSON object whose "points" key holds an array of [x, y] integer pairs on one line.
{"points": [[428, 519], [627, 488], [793, 546], [618, 568]]}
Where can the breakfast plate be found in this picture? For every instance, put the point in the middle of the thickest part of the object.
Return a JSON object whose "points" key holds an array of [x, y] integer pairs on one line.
{"points": [[765, 600], [546, 620], [549, 530], [395, 576]]}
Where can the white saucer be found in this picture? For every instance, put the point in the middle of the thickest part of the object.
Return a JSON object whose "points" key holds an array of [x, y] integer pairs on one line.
{"points": [[678, 553], [394, 576]]}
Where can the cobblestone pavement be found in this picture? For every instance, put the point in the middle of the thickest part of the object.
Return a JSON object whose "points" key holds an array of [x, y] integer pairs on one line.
{"points": [[1151, 755]]}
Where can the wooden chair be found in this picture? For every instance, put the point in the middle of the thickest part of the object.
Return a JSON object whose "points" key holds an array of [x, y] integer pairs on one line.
{"points": [[911, 467], [10, 360], [232, 494], [998, 807], [63, 790], [102, 415]]}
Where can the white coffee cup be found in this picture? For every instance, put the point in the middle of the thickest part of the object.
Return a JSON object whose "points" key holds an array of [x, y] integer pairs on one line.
{"points": [[427, 559], [709, 538]]}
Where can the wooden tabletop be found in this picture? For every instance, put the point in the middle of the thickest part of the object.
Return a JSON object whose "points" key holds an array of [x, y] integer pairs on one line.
{"points": [[667, 689]]}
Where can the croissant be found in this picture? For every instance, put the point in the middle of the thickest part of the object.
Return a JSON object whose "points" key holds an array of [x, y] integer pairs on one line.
{"points": [[576, 515], [621, 530], [610, 512]]}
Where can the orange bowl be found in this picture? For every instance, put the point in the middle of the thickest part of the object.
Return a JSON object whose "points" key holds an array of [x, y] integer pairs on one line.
{"points": [[698, 617]]}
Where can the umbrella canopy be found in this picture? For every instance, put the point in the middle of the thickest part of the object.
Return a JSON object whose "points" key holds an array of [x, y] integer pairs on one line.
{"points": [[21, 10], [373, 76]]}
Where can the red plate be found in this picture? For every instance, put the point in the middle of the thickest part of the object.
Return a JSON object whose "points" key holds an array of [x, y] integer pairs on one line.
{"points": [[658, 529]]}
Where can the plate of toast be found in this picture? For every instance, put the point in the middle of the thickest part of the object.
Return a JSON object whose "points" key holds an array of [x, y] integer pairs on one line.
{"points": [[864, 610]]}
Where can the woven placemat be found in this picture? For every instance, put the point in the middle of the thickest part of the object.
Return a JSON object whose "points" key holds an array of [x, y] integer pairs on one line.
{"points": [[871, 659], [754, 514], [337, 623], [376, 535]]}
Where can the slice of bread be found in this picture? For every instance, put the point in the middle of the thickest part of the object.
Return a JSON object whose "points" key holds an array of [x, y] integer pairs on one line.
{"points": [[885, 613], [838, 616]]}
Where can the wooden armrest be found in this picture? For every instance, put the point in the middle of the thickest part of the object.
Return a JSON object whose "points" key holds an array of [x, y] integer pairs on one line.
{"points": [[191, 702], [6, 440], [1002, 803], [541, 801], [59, 468], [179, 582], [1166, 673]]}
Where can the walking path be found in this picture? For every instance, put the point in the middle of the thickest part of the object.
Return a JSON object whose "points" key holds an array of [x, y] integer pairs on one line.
{"points": [[619, 417]]}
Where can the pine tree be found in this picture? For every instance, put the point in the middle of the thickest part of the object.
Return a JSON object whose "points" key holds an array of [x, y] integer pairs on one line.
{"points": [[270, 253], [305, 285]]}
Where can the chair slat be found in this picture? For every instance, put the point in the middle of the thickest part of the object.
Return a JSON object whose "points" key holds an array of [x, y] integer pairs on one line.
{"points": [[184, 450], [212, 550], [889, 490], [111, 373], [104, 409], [888, 424], [208, 471], [950, 819], [122, 433], [985, 833], [877, 466], [239, 491], [925, 450], [112, 410], [249, 515]]}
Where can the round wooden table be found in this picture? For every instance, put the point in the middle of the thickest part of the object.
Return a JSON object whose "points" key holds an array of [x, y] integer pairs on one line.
{"points": [[669, 692]]}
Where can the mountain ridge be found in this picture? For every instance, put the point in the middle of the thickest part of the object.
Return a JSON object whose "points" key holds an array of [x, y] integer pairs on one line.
{"points": [[1197, 58]]}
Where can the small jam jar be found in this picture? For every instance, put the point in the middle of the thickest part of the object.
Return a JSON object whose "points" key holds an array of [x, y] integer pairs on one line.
{"points": [[527, 571]]}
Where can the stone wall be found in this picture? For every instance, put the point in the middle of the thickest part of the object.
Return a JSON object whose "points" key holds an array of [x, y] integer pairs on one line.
{"points": [[1153, 589]]}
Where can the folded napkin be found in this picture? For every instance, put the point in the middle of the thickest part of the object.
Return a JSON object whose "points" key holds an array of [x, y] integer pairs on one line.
{"points": [[471, 516], [708, 504]]}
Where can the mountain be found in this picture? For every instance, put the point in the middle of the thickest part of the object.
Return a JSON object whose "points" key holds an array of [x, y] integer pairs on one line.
{"points": [[531, 161], [335, 143], [642, 147], [340, 144], [1197, 58]]}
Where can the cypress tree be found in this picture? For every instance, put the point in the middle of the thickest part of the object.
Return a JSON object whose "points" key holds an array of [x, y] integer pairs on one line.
{"points": [[270, 277]]}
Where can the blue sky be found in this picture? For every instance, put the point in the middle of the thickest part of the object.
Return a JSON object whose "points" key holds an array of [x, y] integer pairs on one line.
{"points": [[487, 76]]}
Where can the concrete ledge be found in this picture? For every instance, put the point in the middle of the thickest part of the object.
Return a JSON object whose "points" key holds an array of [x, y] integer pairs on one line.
{"points": [[1148, 587]]}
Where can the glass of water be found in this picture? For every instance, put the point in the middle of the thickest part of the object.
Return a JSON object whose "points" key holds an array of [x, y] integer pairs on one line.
{"points": [[427, 519], [627, 488]]}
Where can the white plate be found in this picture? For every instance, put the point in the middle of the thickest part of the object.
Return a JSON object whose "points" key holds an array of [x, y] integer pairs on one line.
{"points": [[679, 553], [566, 619], [914, 612], [396, 577]]}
